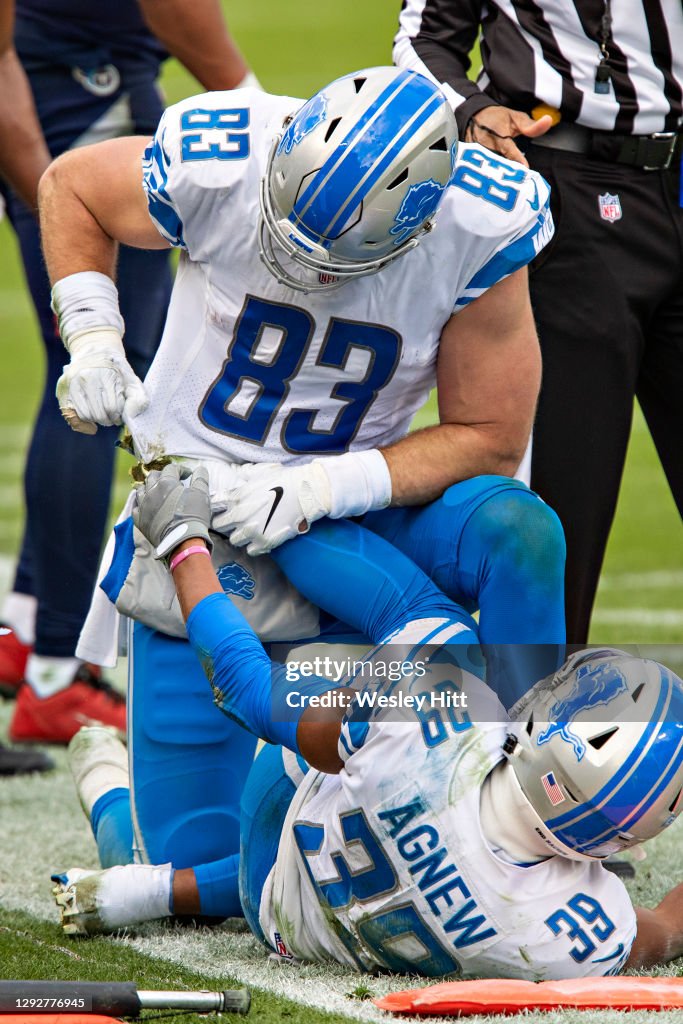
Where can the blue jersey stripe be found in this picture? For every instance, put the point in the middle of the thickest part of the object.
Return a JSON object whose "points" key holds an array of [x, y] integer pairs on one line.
{"points": [[514, 256], [155, 163]]}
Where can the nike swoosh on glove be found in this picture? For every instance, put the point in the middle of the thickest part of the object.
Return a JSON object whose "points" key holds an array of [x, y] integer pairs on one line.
{"points": [[273, 504], [99, 386]]}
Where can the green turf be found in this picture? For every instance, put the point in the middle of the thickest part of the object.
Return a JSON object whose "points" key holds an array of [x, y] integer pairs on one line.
{"points": [[33, 950]]}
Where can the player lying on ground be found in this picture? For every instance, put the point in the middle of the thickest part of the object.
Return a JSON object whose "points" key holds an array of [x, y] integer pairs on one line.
{"points": [[439, 844]]}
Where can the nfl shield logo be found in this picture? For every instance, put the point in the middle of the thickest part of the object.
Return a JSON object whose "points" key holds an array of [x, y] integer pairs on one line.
{"points": [[280, 946], [610, 207]]}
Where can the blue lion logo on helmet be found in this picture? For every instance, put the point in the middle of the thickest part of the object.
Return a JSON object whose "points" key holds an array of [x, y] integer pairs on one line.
{"points": [[419, 203], [606, 683], [235, 579], [309, 117]]}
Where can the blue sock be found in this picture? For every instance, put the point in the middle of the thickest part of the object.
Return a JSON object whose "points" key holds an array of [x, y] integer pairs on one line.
{"points": [[112, 827], [218, 885]]}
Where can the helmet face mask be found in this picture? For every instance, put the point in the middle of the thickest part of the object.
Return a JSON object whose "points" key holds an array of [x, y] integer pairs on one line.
{"points": [[599, 753], [356, 175]]}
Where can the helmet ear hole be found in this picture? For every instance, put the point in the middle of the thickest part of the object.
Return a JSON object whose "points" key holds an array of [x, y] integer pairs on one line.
{"points": [[598, 742]]}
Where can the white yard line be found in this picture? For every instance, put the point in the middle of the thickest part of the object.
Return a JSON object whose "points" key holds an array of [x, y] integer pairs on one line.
{"points": [[663, 618], [659, 579]]}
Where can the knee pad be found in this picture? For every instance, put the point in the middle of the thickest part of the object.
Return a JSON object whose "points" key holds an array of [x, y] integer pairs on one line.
{"points": [[519, 535]]}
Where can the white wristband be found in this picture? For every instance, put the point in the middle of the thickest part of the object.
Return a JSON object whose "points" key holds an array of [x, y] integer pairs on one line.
{"points": [[359, 482], [85, 301], [250, 81]]}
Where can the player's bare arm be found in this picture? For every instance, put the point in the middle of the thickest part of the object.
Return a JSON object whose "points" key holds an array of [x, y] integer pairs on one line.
{"points": [[660, 932], [23, 152], [198, 36], [488, 375], [90, 199]]}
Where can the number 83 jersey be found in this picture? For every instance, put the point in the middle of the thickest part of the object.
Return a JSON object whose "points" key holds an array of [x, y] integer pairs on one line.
{"points": [[250, 370]]}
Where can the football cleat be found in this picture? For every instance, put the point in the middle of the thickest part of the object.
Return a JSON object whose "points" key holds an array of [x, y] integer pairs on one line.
{"points": [[56, 719], [23, 762], [13, 658], [99, 763]]}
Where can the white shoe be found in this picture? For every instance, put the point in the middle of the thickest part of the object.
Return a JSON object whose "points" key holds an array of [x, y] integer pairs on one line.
{"points": [[99, 763], [97, 902]]}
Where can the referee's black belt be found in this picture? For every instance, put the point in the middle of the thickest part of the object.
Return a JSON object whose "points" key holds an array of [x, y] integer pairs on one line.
{"points": [[654, 152]]}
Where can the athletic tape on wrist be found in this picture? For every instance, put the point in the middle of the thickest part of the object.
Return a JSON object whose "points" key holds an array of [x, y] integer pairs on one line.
{"points": [[85, 302], [359, 482]]}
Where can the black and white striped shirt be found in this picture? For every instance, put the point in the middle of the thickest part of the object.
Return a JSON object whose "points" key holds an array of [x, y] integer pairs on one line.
{"points": [[548, 51]]}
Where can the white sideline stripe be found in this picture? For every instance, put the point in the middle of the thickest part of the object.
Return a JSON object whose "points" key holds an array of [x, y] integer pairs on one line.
{"points": [[660, 578], [665, 617], [12, 463], [14, 435], [10, 495]]}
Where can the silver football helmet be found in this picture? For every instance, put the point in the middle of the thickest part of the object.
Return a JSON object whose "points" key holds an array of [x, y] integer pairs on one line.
{"points": [[599, 753], [357, 173]]}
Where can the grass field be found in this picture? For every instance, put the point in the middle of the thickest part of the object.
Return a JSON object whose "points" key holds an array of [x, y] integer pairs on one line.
{"points": [[294, 48]]}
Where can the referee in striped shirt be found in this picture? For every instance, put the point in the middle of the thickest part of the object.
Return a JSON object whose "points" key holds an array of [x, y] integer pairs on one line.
{"points": [[589, 93]]}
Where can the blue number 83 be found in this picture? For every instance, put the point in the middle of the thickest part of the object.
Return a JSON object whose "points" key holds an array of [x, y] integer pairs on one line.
{"points": [[233, 122], [497, 188]]}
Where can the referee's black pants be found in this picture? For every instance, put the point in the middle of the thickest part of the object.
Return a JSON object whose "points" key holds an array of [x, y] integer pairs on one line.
{"points": [[608, 301]]}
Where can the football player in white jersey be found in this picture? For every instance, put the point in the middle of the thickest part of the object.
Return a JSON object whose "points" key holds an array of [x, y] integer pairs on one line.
{"points": [[444, 841], [306, 327]]}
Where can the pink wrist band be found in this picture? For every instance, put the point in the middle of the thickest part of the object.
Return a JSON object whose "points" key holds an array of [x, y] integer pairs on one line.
{"points": [[196, 549]]}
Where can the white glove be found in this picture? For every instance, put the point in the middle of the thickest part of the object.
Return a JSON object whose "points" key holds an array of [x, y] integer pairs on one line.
{"points": [[273, 504], [99, 385], [97, 902]]}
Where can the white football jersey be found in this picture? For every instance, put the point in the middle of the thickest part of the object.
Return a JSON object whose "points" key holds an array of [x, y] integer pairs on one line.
{"points": [[249, 370], [385, 865]]}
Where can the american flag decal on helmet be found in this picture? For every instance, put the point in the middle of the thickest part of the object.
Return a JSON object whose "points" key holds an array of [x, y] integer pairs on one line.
{"points": [[555, 794]]}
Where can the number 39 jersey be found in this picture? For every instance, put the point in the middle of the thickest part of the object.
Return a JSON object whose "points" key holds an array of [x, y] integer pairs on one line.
{"points": [[250, 370], [385, 866]]}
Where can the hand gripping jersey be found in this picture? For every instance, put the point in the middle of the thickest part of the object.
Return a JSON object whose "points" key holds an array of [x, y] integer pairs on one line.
{"points": [[249, 370], [385, 866]]}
